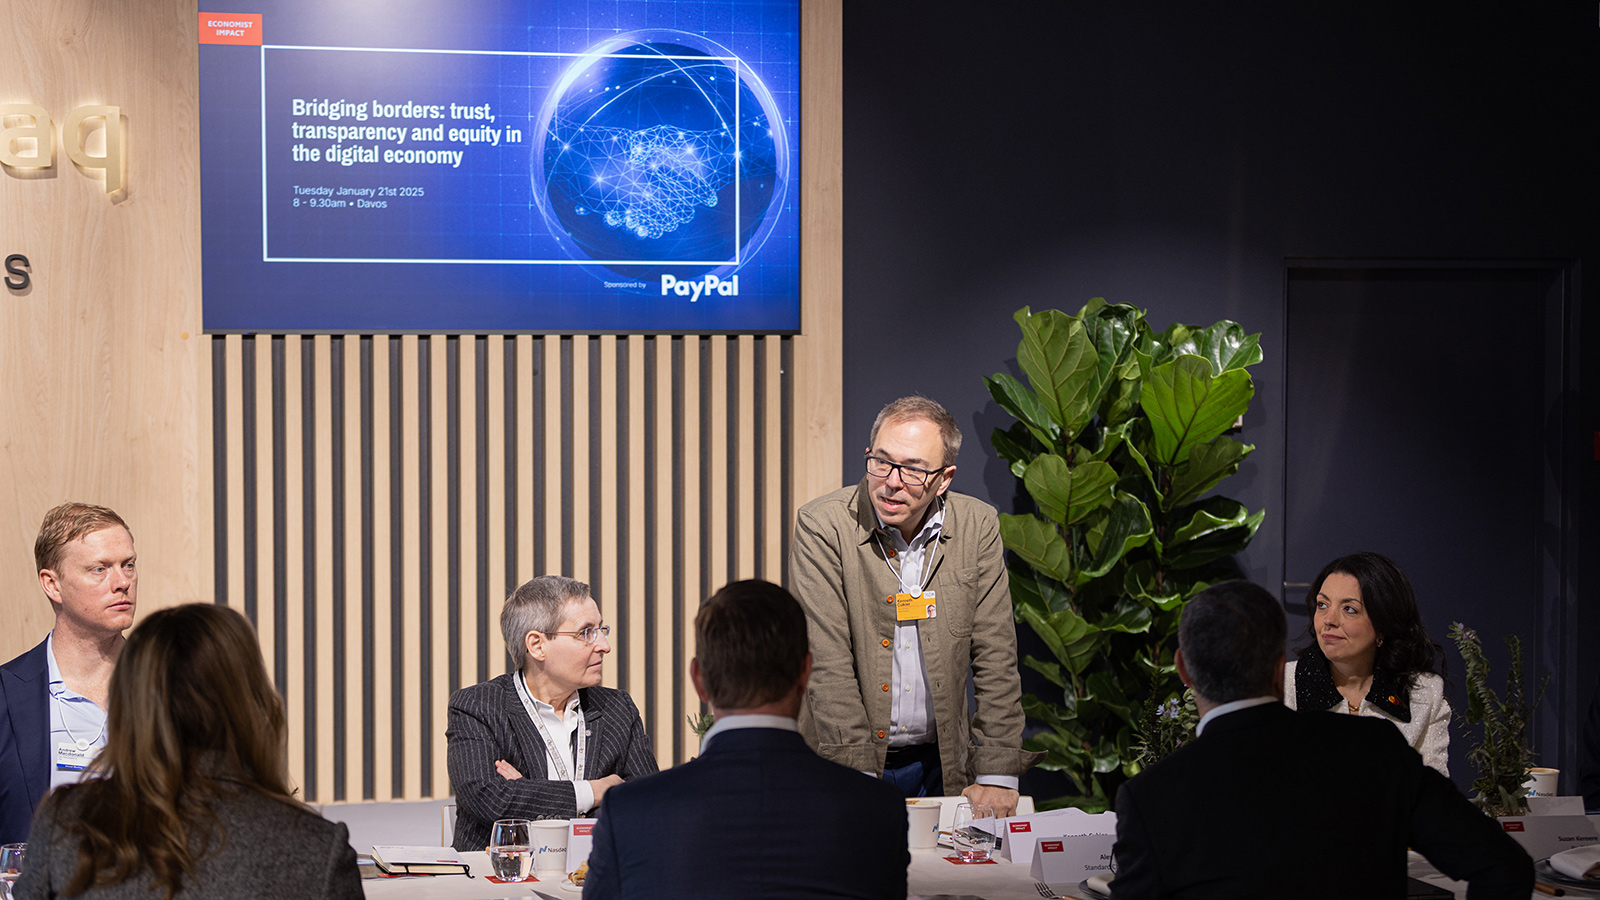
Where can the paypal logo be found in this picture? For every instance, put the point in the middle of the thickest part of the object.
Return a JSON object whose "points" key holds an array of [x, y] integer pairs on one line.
{"points": [[701, 286]]}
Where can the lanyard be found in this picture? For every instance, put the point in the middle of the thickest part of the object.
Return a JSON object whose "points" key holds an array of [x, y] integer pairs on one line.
{"points": [[930, 552], [549, 742]]}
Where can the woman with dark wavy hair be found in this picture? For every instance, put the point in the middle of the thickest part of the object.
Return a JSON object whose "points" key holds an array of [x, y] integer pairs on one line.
{"points": [[190, 797], [1370, 656]]}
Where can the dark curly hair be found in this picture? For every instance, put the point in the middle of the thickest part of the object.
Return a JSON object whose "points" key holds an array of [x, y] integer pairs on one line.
{"points": [[1392, 605]]}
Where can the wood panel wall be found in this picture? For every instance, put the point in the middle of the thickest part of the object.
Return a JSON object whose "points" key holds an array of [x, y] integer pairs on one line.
{"points": [[378, 497], [368, 500], [100, 359]]}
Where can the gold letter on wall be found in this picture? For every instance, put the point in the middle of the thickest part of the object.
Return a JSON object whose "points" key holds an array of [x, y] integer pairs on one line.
{"points": [[73, 139], [44, 151]]}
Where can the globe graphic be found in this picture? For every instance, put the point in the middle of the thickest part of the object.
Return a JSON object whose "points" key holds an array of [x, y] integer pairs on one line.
{"points": [[658, 152]]}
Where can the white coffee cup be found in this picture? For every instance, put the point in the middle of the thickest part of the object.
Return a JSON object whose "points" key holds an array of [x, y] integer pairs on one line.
{"points": [[550, 845], [922, 829], [1542, 781]]}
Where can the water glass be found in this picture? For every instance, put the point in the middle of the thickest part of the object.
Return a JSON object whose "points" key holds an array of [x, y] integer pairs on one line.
{"points": [[10, 866], [972, 832], [511, 849]]}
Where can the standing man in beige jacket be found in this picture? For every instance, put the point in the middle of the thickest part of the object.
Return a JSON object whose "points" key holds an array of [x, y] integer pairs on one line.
{"points": [[905, 590]]}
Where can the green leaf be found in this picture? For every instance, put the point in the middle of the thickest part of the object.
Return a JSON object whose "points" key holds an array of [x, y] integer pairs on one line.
{"points": [[1224, 345], [1051, 714], [1126, 527], [1168, 342], [1023, 404], [1138, 434], [1016, 444], [1049, 670], [1039, 544], [1068, 494], [1110, 439], [1212, 515], [1030, 587], [1059, 360], [1140, 582], [1207, 464], [1128, 615], [1073, 640], [1188, 406], [1113, 331], [1109, 694], [1214, 545]]}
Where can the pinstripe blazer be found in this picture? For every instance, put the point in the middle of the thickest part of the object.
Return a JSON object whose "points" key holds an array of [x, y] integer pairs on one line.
{"points": [[488, 722]]}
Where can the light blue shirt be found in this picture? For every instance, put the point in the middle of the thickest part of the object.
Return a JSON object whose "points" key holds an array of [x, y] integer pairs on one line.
{"points": [[75, 721]]}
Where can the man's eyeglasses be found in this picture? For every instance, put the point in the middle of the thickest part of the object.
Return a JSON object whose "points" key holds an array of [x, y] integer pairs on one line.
{"points": [[587, 635], [878, 467]]}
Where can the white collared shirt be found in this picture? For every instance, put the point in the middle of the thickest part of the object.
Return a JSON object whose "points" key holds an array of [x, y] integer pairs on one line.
{"points": [[75, 721], [911, 719], [910, 701], [563, 730], [1231, 706], [731, 723]]}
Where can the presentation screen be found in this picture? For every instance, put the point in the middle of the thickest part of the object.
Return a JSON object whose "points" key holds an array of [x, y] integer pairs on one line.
{"points": [[518, 166]]}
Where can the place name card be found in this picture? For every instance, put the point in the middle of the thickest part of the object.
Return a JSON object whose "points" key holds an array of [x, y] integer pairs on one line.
{"points": [[1071, 859], [580, 839], [1544, 836], [1020, 835]]}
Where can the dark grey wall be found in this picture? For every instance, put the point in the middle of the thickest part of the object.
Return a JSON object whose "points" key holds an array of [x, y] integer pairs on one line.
{"points": [[1174, 156]]}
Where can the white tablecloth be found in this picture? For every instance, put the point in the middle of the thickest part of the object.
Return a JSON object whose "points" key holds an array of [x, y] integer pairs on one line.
{"points": [[930, 874]]}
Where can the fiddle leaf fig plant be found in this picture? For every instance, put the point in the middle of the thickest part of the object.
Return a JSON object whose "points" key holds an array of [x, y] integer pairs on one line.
{"points": [[1119, 438]]}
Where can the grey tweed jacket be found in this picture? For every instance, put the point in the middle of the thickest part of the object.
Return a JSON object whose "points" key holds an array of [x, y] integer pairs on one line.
{"points": [[269, 850], [488, 722]]}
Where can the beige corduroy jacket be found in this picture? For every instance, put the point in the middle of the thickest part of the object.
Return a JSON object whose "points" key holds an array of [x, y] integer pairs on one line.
{"points": [[840, 577]]}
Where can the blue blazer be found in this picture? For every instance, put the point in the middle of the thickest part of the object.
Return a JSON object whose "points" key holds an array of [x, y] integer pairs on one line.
{"points": [[24, 741], [757, 815]]}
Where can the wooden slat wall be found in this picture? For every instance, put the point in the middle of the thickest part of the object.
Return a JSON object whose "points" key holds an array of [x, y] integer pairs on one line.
{"points": [[652, 469]]}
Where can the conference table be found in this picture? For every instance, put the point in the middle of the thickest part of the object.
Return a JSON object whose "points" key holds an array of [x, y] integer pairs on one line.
{"points": [[930, 875]]}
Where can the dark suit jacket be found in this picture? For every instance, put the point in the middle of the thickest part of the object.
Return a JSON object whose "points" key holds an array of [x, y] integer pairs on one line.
{"points": [[1271, 803], [757, 815], [24, 741], [488, 722], [270, 850]]}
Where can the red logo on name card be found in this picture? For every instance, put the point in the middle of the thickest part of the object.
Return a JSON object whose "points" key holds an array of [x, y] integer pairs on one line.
{"points": [[230, 28], [1511, 826], [585, 828], [1050, 847], [1018, 827]]}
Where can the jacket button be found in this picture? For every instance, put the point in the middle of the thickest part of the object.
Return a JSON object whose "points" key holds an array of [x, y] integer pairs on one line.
{"points": [[886, 642], [886, 687], [880, 734], [889, 599]]}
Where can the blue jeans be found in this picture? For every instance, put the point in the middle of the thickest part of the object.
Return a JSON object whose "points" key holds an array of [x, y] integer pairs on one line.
{"points": [[921, 776]]}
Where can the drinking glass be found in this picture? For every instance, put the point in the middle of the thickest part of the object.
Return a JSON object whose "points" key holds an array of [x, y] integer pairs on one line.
{"points": [[511, 849], [10, 866], [973, 842]]}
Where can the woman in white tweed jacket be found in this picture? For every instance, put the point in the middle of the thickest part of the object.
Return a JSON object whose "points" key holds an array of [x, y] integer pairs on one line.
{"points": [[1370, 656], [544, 742]]}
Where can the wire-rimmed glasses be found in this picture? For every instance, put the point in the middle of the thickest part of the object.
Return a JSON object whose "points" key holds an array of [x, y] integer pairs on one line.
{"points": [[588, 635]]}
